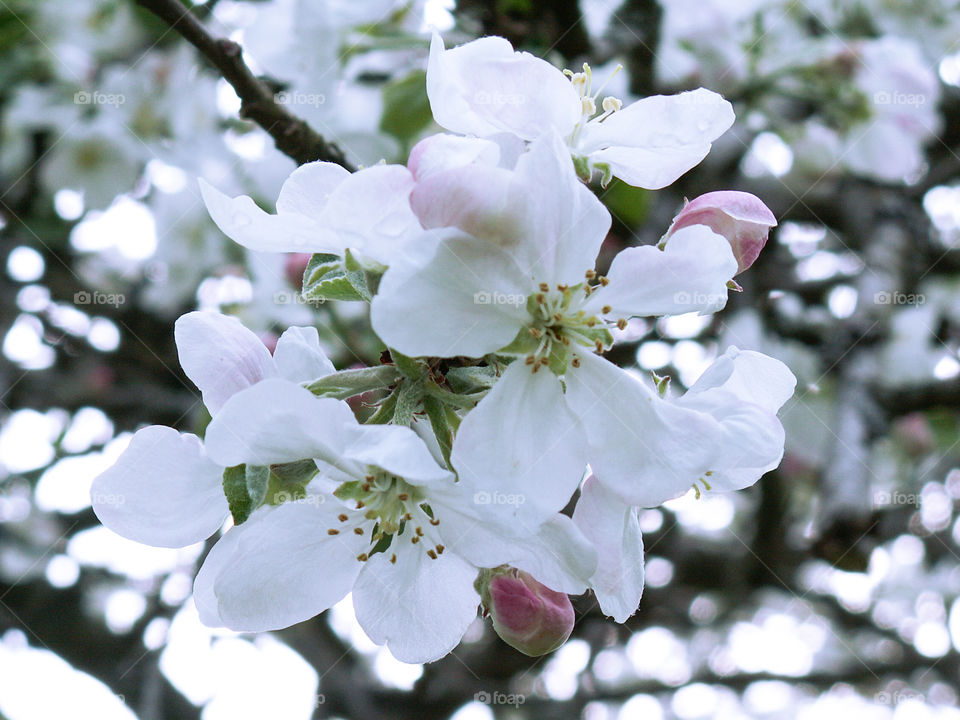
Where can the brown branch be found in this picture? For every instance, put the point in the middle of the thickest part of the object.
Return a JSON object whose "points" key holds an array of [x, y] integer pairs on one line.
{"points": [[292, 136]]}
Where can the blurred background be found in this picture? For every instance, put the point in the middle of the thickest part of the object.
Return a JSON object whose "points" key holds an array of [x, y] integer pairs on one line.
{"points": [[828, 590]]}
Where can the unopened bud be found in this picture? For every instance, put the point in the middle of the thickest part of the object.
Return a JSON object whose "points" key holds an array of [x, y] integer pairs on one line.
{"points": [[740, 217], [294, 267], [526, 614]]}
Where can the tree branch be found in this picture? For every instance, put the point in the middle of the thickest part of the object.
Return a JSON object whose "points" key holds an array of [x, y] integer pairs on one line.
{"points": [[292, 136]]}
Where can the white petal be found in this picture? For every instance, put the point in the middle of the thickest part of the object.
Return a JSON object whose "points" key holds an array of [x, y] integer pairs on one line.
{"points": [[468, 298], [557, 554], [370, 212], [614, 530], [163, 490], [484, 87], [743, 391], [244, 222], [444, 152], [400, 451], [643, 448], [305, 192], [418, 607], [563, 223], [220, 356], [522, 441], [299, 357], [277, 421], [653, 141], [688, 276], [749, 376], [284, 567], [213, 564]]}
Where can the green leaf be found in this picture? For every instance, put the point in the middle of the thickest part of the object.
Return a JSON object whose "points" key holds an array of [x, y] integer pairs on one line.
{"points": [[626, 203], [327, 277], [258, 478], [299, 472], [349, 383], [245, 487], [406, 109]]}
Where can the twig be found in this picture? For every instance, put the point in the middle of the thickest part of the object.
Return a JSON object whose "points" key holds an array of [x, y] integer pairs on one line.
{"points": [[292, 136]]}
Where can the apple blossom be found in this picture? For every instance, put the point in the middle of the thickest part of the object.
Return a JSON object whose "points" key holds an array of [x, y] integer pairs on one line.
{"points": [[382, 520], [171, 489], [740, 217], [537, 430], [484, 88]]}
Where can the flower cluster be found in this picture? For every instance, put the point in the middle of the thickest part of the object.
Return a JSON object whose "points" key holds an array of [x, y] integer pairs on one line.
{"points": [[494, 406]]}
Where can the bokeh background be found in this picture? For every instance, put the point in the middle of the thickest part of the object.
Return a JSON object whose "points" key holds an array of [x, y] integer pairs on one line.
{"points": [[828, 590]]}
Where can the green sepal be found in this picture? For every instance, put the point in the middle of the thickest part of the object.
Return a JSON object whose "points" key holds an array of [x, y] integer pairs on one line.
{"points": [[348, 383], [599, 332], [662, 383], [350, 490], [385, 410], [411, 368], [523, 344], [409, 399], [558, 359], [439, 421], [474, 377], [582, 166], [606, 174]]}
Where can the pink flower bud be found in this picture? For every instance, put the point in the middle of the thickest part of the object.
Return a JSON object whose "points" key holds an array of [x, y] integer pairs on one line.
{"points": [[294, 267], [740, 217], [526, 614]]}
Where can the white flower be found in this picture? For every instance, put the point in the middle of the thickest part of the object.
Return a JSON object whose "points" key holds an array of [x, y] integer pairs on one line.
{"points": [[383, 520], [164, 490], [323, 208], [741, 392], [484, 88], [519, 287]]}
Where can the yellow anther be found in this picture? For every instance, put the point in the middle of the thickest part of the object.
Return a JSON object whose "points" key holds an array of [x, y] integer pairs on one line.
{"points": [[393, 559], [331, 531], [358, 531], [622, 324], [363, 557], [432, 554], [605, 309], [544, 287], [342, 517]]}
